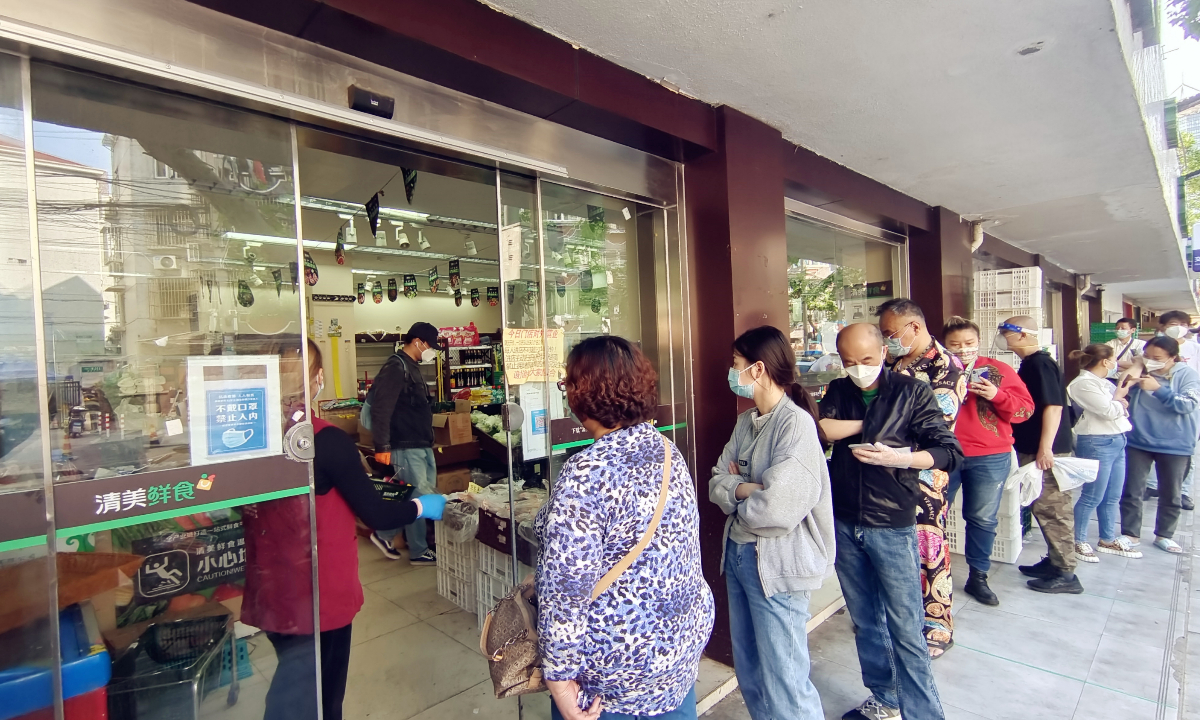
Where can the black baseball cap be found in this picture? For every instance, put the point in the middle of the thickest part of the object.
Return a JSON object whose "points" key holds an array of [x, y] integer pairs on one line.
{"points": [[423, 331]]}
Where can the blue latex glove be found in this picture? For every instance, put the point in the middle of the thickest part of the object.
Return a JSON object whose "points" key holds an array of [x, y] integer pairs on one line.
{"points": [[431, 506]]}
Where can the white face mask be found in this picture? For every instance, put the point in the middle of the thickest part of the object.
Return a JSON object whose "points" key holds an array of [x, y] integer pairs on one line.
{"points": [[863, 375], [1177, 332], [1001, 342], [428, 355], [1124, 334], [1154, 365]]}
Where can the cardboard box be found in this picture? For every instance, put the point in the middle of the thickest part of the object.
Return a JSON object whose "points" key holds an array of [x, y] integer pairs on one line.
{"points": [[451, 428], [462, 406], [448, 455], [453, 479], [345, 419]]}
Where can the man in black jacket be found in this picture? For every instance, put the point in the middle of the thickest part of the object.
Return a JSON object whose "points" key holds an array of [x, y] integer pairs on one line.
{"points": [[886, 428], [402, 427]]}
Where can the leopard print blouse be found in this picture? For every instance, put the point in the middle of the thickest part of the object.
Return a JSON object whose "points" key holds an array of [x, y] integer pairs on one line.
{"points": [[638, 646]]}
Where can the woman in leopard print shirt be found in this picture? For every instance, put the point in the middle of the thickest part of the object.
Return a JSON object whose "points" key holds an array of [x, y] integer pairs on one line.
{"points": [[636, 649]]}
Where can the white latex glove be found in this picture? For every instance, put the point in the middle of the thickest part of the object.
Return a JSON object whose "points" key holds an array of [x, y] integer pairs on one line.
{"points": [[885, 456]]}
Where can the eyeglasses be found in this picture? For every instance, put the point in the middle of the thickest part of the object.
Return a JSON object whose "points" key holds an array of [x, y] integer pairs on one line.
{"points": [[562, 385]]}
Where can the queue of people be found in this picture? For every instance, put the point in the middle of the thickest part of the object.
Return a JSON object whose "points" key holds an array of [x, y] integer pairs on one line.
{"points": [[912, 422]]}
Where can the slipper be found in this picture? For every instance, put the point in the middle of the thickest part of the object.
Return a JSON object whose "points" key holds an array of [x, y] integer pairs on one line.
{"points": [[1168, 545], [938, 647]]}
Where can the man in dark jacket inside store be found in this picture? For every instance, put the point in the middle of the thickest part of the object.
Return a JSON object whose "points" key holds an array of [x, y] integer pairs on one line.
{"points": [[402, 428], [886, 428]]}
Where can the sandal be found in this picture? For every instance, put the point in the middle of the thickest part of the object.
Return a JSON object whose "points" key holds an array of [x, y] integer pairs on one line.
{"points": [[938, 649], [1168, 545]]}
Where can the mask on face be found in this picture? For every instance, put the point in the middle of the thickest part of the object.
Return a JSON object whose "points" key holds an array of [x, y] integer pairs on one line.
{"points": [[863, 375], [968, 356], [1177, 332], [735, 384], [320, 387], [1154, 365], [1001, 343], [1124, 334], [428, 354], [895, 347]]}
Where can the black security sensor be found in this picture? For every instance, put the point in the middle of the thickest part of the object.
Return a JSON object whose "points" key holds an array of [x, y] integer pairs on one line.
{"points": [[371, 103]]}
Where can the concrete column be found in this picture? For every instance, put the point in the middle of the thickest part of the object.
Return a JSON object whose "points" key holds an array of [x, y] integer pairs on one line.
{"points": [[738, 274]]}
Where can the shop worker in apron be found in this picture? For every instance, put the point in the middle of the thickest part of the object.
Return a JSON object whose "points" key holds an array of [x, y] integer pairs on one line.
{"points": [[402, 427], [912, 351]]}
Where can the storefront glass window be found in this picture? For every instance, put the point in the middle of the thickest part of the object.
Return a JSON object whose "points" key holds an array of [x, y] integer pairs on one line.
{"points": [[26, 633], [836, 278], [172, 320]]}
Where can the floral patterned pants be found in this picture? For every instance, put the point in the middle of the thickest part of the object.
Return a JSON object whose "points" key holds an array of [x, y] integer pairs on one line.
{"points": [[936, 584]]}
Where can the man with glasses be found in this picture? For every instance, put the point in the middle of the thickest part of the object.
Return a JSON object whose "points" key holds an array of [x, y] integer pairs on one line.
{"points": [[401, 417], [914, 352]]}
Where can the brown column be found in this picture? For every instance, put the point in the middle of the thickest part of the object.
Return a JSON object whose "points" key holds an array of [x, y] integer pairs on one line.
{"points": [[1071, 335], [940, 267], [737, 258]]}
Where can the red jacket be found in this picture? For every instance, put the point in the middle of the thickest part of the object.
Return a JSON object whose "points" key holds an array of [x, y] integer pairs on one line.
{"points": [[985, 427], [278, 596]]}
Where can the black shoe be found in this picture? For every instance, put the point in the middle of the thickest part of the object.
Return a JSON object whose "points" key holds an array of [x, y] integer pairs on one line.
{"points": [[1150, 494], [977, 587], [1063, 582], [1186, 503], [1044, 569]]}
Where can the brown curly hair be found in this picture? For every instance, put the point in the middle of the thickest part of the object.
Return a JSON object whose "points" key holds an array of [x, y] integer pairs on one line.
{"points": [[610, 381]]}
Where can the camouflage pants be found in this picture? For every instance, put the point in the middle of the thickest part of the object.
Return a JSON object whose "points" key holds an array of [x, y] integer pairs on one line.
{"points": [[1055, 514]]}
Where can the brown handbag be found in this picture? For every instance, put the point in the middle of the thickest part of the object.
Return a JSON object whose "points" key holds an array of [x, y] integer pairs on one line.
{"points": [[509, 639]]}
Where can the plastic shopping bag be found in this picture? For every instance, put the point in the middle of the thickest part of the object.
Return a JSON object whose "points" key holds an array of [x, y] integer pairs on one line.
{"points": [[1073, 472], [1028, 481]]}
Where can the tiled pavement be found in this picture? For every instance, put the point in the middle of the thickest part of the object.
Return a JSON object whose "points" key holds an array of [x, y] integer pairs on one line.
{"points": [[1120, 650]]}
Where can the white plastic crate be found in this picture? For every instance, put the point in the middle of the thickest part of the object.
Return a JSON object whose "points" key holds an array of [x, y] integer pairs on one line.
{"points": [[1010, 279], [1005, 549], [1018, 297], [1008, 519], [489, 590], [495, 564], [456, 590], [457, 559]]}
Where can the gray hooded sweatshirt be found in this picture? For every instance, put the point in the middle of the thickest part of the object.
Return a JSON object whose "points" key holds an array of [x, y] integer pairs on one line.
{"points": [[791, 518]]}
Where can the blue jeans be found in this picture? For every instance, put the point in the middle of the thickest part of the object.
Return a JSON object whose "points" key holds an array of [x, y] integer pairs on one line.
{"points": [[1103, 494], [883, 596], [417, 467], [770, 642], [982, 482], [686, 711]]}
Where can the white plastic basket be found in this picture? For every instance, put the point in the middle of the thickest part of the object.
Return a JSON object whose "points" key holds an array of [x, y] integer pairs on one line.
{"points": [[1010, 279], [1006, 548], [1018, 297], [493, 563], [456, 590], [457, 559]]}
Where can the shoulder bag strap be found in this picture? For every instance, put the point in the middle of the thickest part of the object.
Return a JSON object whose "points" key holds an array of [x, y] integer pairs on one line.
{"points": [[1126, 348], [630, 557]]}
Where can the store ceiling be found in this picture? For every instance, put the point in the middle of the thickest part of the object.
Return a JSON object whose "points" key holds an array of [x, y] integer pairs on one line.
{"points": [[1022, 113]]}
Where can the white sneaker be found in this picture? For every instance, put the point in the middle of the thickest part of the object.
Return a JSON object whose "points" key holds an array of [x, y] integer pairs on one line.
{"points": [[1084, 552], [1121, 546], [872, 710]]}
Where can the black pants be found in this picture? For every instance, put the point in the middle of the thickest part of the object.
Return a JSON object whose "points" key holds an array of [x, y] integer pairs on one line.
{"points": [[1172, 469], [293, 691]]}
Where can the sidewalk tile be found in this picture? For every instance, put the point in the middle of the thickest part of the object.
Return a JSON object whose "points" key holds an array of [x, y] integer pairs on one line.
{"points": [[1064, 649]]}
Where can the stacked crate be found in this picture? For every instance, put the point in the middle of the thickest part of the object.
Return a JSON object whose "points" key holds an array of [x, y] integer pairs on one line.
{"points": [[456, 569], [1001, 294], [494, 579], [1008, 532]]}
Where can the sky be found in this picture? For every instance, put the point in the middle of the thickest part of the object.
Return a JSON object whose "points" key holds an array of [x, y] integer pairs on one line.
{"points": [[1181, 60]]}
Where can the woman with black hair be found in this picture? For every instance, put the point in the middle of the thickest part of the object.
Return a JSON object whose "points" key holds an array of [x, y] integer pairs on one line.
{"points": [[773, 483], [1163, 397]]}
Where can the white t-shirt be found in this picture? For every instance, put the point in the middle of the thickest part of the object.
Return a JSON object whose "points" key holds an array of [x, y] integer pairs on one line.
{"points": [[1189, 350], [1135, 350]]}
